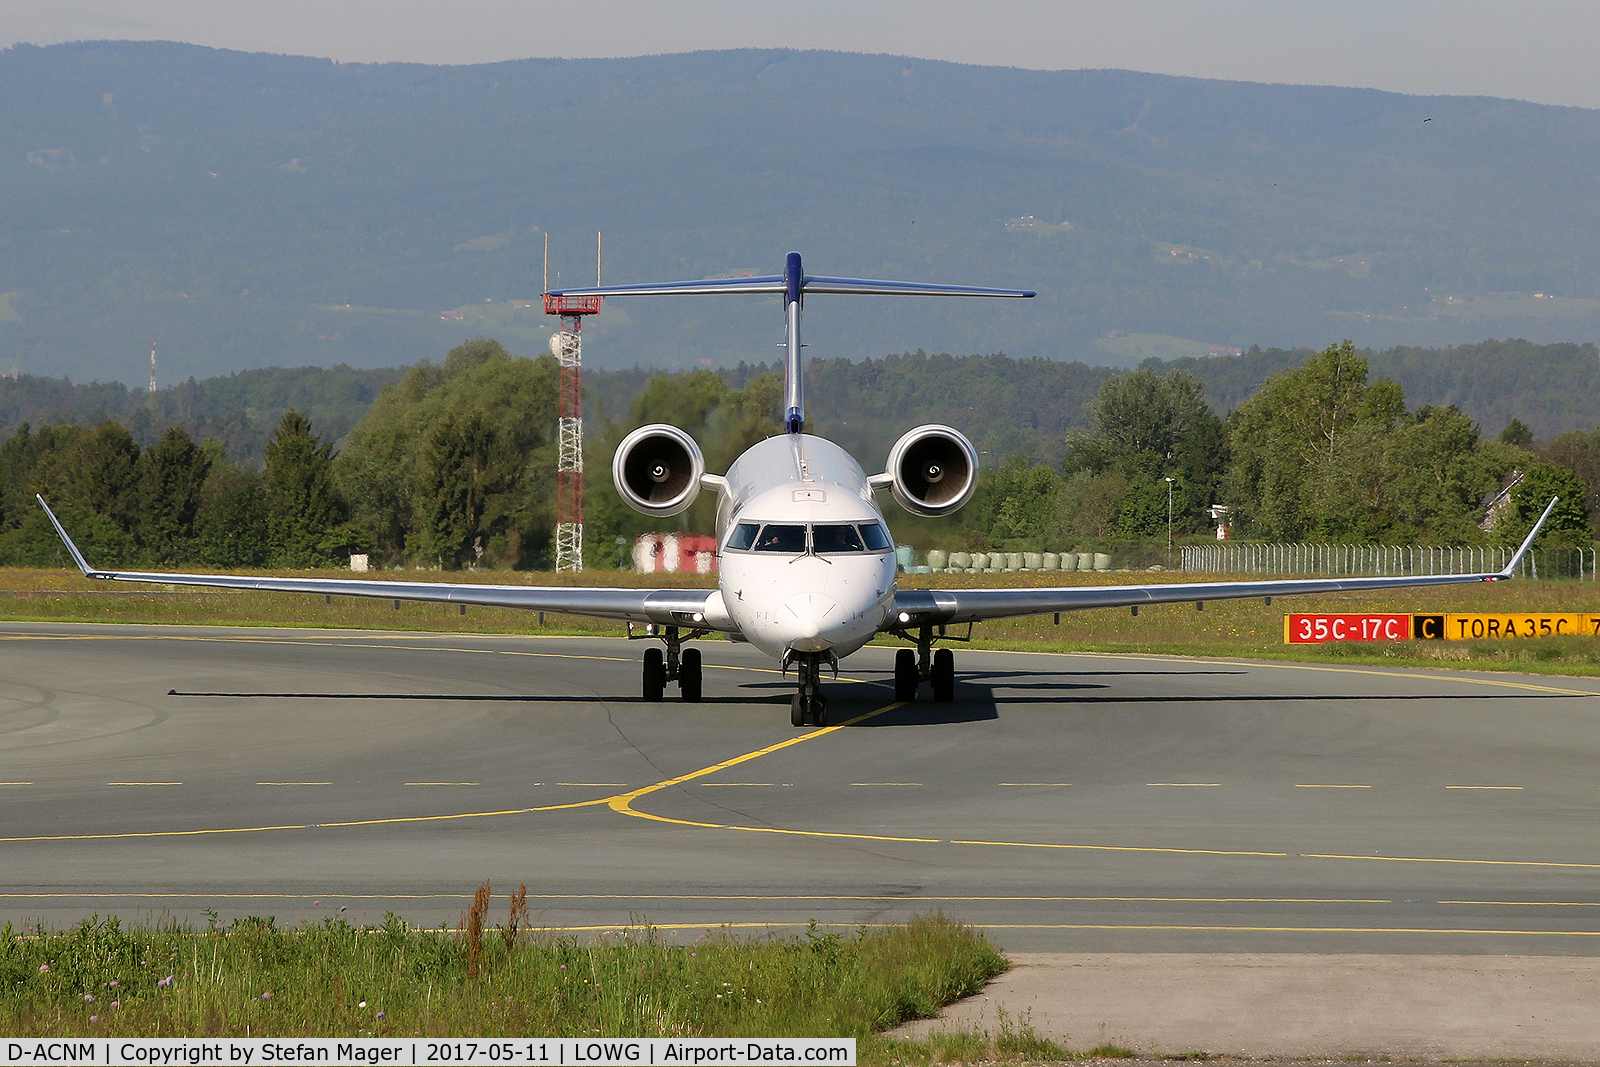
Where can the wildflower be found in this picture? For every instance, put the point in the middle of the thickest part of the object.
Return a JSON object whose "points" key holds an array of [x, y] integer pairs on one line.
{"points": [[314, 903], [115, 1004], [362, 1004], [113, 984], [267, 995], [94, 1018], [380, 1015], [341, 907], [44, 968], [165, 981], [88, 998]]}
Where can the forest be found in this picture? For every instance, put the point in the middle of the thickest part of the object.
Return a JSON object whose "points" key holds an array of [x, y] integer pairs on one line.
{"points": [[452, 466], [248, 209]]}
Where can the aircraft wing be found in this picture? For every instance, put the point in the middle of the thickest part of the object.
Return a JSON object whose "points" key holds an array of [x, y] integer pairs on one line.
{"points": [[697, 608], [933, 607]]}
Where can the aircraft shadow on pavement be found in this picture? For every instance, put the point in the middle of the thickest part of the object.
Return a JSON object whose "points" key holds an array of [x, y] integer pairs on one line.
{"points": [[847, 699], [499, 698]]}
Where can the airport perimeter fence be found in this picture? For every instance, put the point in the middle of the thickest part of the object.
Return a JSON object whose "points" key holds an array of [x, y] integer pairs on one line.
{"points": [[1384, 560]]}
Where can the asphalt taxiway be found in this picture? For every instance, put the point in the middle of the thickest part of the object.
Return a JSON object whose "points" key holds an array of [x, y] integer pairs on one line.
{"points": [[1089, 803]]}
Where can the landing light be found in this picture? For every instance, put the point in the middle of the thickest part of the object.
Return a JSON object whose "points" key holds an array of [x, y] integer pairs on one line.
{"points": [[904, 616], [699, 616]]}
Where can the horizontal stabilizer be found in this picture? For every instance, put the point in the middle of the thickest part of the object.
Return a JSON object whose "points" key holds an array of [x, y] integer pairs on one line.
{"points": [[774, 283]]}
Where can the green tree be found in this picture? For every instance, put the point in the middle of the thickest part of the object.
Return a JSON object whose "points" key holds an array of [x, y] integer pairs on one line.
{"points": [[1149, 427], [1579, 452], [401, 486], [97, 472], [463, 475], [231, 527], [1307, 450], [171, 476], [304, 509], [1517, 433], [1569, 524]]}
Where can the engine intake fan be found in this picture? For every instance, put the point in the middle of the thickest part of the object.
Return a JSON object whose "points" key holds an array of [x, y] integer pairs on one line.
{"points": [[933, 470], [657, 469]]}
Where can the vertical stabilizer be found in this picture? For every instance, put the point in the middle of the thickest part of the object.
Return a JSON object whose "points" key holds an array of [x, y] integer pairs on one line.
{"points": [[794, 407]]}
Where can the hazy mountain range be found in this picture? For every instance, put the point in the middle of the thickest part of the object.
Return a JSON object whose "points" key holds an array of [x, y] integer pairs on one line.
{"points": [[247, 210]]}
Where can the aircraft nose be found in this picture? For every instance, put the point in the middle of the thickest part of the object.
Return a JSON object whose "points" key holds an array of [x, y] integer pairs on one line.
{"points": [[804, 618]]}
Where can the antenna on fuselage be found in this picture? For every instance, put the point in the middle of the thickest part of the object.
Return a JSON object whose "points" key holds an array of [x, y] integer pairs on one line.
{"points": [[793, 284]]}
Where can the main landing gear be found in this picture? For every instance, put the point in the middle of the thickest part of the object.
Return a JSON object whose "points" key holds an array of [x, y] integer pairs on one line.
{"points": [[912, 666], [809, 707], [676, 664]]}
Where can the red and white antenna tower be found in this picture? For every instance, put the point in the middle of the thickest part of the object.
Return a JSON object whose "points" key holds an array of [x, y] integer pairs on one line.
{"points": [[567, 346], [152, 369]]}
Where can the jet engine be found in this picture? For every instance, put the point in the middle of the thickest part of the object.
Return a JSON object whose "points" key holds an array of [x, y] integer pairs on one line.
{"points": [[933, 470], [657, 469]]}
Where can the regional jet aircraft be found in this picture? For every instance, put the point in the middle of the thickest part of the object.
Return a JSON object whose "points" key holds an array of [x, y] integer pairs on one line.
{"points": [[807, 569]]}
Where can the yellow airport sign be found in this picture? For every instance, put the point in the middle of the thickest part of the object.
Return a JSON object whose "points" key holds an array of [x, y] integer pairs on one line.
{"points": [[1508, 624], [1316, 629]]}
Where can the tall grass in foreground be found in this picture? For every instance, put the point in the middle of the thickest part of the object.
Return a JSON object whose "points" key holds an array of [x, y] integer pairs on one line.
{"points": [[334, 980]]}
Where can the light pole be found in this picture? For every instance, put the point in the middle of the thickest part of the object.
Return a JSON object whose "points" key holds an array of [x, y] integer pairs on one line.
{"points": [[1169, 522]]}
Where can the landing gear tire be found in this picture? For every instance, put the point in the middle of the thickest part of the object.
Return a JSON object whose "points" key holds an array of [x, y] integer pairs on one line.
{"points": [[905, 675], [808, 711], [689, 676], [655, 675], [943, 675]]}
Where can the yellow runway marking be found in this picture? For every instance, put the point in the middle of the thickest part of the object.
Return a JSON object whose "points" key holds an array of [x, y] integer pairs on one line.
{"points": [[1318, 785], [16, 783], [1125, 848], [144, 783], [888, 784], [1504, 788], [595, 785], [1040, 785], [745, 785], [294, 783], [1527, 903], [1463, 862], [1184, 785], [443, 783]]}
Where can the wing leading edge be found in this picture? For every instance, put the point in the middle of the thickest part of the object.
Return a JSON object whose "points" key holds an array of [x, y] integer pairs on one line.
{"points": [[923, 607], [699, 608]]}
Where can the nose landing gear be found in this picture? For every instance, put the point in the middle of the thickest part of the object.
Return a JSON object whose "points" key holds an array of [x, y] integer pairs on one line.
{"points": [[809, 707]]}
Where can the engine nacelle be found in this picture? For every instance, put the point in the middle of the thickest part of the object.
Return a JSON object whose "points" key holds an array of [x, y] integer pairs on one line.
{"points": [[933, 470], [657, 469]]}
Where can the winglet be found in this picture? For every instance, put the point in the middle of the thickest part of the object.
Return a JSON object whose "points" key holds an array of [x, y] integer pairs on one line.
{"points": [[1527, 542], [77, 557]]}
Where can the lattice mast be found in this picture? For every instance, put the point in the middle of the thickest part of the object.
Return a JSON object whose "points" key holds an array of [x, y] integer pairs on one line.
{"points": [[567, 346]]}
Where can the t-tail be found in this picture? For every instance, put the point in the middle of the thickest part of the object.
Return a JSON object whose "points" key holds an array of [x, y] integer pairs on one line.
{"points": [[793, 284]]}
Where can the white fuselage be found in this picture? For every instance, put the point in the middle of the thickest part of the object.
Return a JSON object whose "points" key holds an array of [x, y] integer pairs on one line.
{"points": [[806, 561]]}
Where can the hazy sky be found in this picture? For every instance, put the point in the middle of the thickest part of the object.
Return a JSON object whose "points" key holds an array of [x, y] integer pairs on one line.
{"points": [[1540, 50]]}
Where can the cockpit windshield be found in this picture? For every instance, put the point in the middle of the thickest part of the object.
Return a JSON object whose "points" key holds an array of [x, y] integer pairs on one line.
{"points": [[781, 537], [822, 538], [836, 538]]}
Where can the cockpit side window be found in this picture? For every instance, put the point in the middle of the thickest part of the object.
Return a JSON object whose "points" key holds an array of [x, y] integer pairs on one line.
{"points": [[744, 536], [781, 537], [835, 538], [876, 537]]}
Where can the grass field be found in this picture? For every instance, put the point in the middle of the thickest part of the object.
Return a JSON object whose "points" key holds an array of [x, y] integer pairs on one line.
{"points": [[481, 979], [1238, 628]]}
